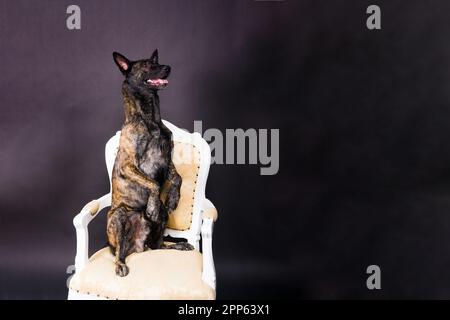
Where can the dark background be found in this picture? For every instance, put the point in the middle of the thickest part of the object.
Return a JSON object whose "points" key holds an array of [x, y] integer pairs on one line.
{"points": [[364, 137]]}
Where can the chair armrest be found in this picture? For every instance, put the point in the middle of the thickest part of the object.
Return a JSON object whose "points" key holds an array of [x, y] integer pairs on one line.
{"points": [[209, 210], [209, 213], [81, 222]]}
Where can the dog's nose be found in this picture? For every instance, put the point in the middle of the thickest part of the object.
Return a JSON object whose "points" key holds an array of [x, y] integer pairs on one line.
{"points": [[166, 69]]}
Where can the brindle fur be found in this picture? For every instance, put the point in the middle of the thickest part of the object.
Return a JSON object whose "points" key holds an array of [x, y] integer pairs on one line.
{"points": [[137, 218]]}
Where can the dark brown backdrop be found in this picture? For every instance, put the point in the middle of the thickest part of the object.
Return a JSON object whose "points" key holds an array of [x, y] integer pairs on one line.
{"points": [[363, 118]]}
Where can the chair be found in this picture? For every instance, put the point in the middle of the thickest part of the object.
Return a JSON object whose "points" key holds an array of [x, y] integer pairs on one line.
{"points": [[155, 274]]}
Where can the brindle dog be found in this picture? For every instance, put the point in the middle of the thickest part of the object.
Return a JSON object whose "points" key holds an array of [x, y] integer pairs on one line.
{"points": [[143, 165]]}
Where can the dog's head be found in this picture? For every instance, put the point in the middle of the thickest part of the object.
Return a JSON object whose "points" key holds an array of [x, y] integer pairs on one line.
{"points": [[143, 75]]}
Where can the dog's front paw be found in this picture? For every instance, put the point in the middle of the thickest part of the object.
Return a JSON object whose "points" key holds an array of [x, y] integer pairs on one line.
{"points": [[122, 269], [172, 202]]}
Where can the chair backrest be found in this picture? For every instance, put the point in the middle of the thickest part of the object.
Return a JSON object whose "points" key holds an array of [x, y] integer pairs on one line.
{"points": [[192, 157]]}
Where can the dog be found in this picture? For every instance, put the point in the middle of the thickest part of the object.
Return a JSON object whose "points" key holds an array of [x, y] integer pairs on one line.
{"points": [[143, 165]]}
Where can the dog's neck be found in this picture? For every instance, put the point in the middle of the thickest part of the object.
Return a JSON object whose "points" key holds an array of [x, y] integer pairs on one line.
{"points": [[141, 105]]}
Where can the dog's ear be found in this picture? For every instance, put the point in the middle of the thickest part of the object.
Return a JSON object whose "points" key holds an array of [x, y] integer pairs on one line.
{"points": [[154, 57], [123, 63]]}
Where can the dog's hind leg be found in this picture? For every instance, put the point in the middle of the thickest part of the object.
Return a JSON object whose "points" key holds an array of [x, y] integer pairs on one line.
{"points": [[157, 216], [121, 267], [116, 231], [182, 246]]}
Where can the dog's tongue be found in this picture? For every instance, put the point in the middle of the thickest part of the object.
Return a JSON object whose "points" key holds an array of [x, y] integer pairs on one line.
{"points": [[157, 82]]}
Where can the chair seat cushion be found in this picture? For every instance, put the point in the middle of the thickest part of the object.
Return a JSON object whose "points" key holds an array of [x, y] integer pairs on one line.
{"points": [[154, 274]]}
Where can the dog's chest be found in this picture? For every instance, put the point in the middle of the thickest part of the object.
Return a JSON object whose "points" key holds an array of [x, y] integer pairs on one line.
{"points": [[155, 157]]}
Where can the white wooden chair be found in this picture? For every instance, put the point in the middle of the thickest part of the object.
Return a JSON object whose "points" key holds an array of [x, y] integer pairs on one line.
{"points": [[155, 274]]}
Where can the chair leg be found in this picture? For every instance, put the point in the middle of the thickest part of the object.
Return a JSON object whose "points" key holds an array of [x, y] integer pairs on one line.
{"points": [[209, 272]]}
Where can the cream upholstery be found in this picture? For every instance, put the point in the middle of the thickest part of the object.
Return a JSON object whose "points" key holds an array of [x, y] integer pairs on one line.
{"points": [[154, 274], [186, 158], [92, 207], [210, 213]]}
